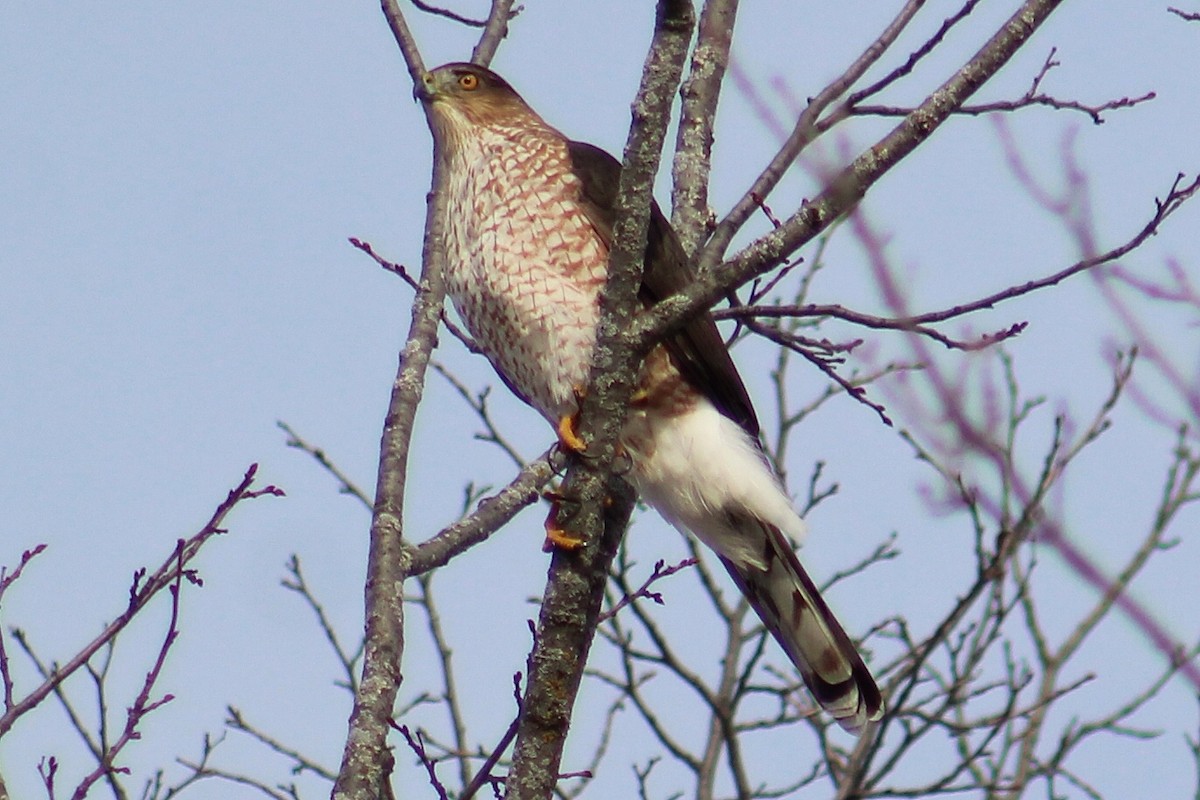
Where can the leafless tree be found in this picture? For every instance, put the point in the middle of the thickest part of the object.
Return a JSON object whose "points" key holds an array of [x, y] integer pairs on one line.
{"points": [[981, 694], [990, 723]]}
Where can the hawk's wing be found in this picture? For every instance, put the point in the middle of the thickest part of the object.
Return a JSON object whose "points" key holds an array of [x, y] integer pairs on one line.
{"points": [[698, 349]]}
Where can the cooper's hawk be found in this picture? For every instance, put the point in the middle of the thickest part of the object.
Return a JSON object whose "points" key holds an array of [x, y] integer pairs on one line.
{"points": [[528, 227]]}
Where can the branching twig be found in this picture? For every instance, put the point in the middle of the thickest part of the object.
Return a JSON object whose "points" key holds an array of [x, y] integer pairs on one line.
{"points": [[437, 11], [300, 763], [346, 659], [478, 401], [142, 704], [7, 579], [417, 745], [660, 572], [347, 486], [484, 775], [449, 698], [402, 271], [1033, 97]]}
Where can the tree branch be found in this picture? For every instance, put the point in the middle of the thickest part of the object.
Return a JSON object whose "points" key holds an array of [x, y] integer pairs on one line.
{"points": [[847, 187], [491, 514], [366, 760], [690, 214], [575, 587]]}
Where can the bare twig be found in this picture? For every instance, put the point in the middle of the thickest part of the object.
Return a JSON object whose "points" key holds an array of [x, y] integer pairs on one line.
{"points": [[454, 16], [142, 704], [202, 770], [97, 745], [914, 58], [399, 269], [347, 486], [450, 698], [417, 745], [300, 763], [659, 573], [1033, 97], [7, 579], [478, 401], [347, 660], [484, 774]]}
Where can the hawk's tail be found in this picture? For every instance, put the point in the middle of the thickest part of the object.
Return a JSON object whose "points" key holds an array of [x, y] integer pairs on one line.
{"points": [[792, 609], [706, 474]]}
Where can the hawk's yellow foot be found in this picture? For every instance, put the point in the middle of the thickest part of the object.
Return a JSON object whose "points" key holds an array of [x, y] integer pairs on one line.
{"points": [[568, 433], [568, 425], [558, 537]]}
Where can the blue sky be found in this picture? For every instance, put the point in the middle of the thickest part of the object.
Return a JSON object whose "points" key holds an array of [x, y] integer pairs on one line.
{"points": [[177, 186]]}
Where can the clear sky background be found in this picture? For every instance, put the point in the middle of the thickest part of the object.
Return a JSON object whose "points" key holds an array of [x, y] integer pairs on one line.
{"points": [[177, 185]]}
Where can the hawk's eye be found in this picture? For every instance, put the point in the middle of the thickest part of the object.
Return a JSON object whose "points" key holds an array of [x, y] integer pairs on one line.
{"points": [[469, 82]]}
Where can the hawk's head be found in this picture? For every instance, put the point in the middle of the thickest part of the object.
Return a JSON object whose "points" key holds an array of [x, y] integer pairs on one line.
{"points": [[464, 96]]}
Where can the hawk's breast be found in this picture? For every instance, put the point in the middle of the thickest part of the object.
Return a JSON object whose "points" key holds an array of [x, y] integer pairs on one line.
{"points": [[524, 265]]}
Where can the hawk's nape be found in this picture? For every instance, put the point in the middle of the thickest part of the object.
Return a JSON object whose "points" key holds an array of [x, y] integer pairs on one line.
{"points": [[527, 227]]}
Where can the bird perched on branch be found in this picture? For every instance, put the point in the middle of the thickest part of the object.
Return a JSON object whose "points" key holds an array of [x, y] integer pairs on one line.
{"points": [[527, 229]]}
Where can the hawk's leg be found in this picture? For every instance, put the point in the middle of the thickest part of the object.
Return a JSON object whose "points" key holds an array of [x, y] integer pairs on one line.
{"points": [[568, 426], [556, 535]]}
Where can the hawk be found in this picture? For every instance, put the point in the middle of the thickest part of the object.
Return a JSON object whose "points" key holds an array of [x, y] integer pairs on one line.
{"points": [[527, 230]]}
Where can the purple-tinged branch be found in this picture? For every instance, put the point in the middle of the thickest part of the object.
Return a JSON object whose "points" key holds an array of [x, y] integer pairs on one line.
{"points": [[142, 705]]}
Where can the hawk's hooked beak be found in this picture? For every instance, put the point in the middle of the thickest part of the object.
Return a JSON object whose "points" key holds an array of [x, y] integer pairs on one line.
{"points": [[425, 90]]}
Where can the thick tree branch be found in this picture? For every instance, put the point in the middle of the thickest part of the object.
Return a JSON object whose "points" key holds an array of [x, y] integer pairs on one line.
{"points": [[495, 28], [690, 214], [405, 39], [366, 761], [571, 604]]}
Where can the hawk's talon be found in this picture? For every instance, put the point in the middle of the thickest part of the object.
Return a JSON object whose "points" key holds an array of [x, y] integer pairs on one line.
{"points": [[559, 539], [558, 460], [568, 424], [568, 434], [622, 461]]}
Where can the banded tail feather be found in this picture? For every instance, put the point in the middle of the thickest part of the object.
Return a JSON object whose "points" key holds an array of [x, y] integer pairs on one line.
{"points": [[791, 607]]}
